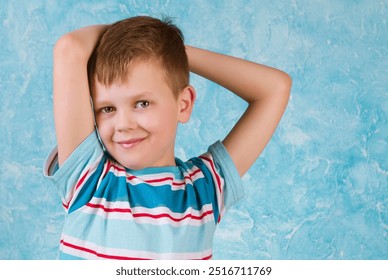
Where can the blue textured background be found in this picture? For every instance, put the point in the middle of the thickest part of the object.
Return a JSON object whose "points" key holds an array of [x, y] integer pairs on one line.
{"points": [[319, 190]]}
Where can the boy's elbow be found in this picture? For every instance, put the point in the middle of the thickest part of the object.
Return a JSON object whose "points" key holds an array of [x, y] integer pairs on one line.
{"points": [[285, 83], [283, 89], [281, 93], [68, 47]]}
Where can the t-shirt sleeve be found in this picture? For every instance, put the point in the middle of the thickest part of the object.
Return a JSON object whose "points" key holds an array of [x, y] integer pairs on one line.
{"points": [[228, 184], [69, 177]]}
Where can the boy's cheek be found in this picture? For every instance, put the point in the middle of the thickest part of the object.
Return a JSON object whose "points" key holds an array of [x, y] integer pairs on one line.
{"points": [[102, 131]]}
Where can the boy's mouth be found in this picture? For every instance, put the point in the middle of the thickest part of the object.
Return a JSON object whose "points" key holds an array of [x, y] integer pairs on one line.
{"points": [[127, 144]]}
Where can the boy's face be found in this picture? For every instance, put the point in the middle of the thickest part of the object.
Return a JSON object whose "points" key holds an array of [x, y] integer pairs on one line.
{"points": [[137, 120]]}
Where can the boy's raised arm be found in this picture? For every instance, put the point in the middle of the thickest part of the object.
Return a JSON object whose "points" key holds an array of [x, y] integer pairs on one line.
{"points": [[264, 88], [72, 108]]}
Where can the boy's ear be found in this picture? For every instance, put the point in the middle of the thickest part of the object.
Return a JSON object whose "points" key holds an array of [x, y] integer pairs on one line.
{"points": [[186, 101]]}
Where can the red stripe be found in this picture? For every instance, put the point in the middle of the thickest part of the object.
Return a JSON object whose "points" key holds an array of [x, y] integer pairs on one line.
{"points": [[120, 210], [195, 172], [214, 171], [187, 178], [99, 254], [79, 183], [113, 257], [207, 257], [159, 180], [172, 218], [153, 180], [154, 216], [110, 165], [116, 167]]}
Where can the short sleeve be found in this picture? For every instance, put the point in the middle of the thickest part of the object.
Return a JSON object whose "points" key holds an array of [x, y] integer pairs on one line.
{"points": [[233, 189], [81, 163], [227, 183]]}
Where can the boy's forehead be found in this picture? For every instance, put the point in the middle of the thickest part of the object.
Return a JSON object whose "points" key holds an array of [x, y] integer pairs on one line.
{"points": [[103, 92], [142, 76]]}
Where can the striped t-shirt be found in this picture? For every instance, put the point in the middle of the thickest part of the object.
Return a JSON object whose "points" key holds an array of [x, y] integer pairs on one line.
{"points": [[155, 213]]}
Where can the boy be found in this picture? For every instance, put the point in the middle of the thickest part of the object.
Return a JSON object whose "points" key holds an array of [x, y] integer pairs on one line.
{"points": [[125, 194]]}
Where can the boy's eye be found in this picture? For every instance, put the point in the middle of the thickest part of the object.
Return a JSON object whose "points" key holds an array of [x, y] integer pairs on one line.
{"points": [[142, 104], [107, 110]]}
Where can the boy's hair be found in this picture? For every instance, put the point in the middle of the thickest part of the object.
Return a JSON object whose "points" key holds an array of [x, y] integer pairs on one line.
{"points": [[140, 38]]}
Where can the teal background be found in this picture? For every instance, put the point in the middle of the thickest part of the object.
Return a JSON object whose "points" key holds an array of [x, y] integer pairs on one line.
{"points": [[318, 191]]}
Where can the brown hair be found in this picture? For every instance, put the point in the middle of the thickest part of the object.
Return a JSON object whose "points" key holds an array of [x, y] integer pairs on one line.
{"points": [[140, 39]]}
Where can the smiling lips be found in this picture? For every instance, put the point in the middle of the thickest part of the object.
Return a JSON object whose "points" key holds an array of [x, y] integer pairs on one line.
{"points": [[127, 144]]}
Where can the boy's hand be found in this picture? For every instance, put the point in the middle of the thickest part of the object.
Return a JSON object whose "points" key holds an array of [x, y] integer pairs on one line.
{"points": [[73, 113], [264, 88]]}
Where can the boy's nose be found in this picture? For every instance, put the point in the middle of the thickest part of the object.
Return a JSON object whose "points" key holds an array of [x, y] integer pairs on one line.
{"points": [[125, 121]]}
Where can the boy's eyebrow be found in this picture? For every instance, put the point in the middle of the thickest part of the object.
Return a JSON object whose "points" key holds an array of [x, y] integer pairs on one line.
{"points": [[102, 103], [141, 95]]}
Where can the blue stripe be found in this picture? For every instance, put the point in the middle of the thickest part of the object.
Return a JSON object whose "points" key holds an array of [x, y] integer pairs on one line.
{"points": [[145, 195], [88, 189], [114, 188]]}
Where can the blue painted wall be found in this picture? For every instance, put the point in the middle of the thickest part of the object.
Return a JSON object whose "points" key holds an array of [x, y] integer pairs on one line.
{"points": [[319, 190]]}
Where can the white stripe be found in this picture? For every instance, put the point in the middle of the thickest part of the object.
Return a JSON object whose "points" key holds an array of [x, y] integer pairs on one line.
{"points": [[104, 171], [101, 250], [119, 171], [51, 162], [189, 178], [196, 176]]}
